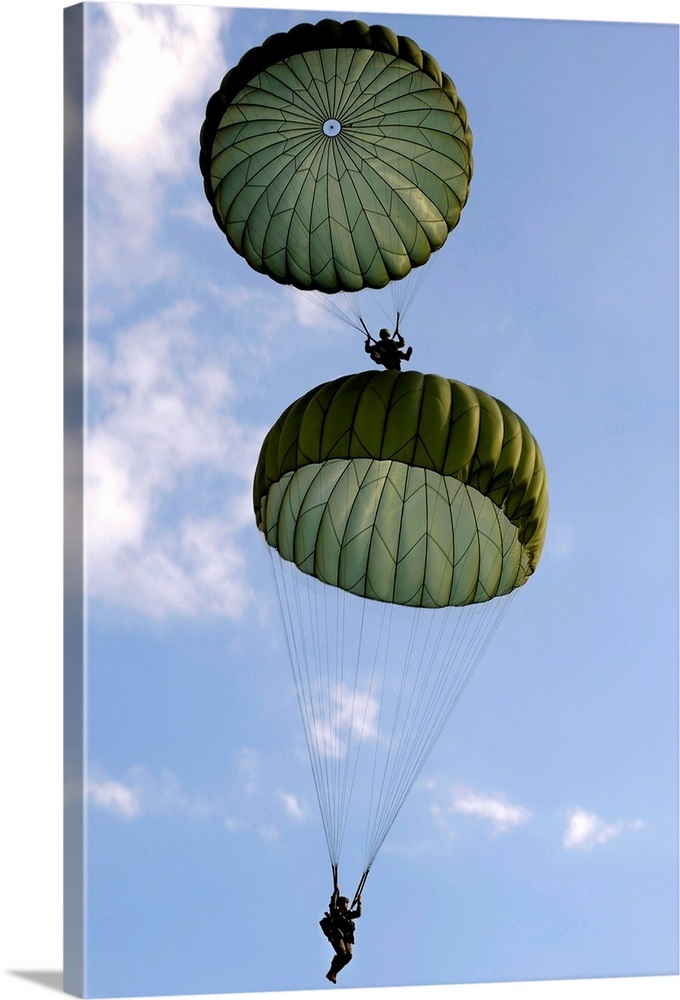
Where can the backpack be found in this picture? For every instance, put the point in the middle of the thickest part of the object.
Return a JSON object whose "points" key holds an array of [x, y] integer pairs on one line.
{"points": [[326, 924]]}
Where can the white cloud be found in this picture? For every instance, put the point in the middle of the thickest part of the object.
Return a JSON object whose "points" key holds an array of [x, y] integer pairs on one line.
{"points": [[494, 809], [248, 803], [502, 815], [586, 830], [198, 210], [294, 807], [161, 65], [161, 423], [253, 803], [117, 514], [141, 794], [343, 711], [270, 303], [114, 797], [164, 795], [157, 68], [314, 310]]}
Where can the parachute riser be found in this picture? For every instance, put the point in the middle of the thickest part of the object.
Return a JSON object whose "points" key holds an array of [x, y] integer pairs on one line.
{"points": [[359, 889], [362, 883]]}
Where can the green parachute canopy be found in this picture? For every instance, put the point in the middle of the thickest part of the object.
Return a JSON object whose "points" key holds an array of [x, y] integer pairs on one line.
{"points": [[429, 498], [336, 156], [403, 487]]}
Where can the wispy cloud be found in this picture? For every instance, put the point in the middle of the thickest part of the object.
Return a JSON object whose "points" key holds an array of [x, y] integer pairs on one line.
{"points": [[586, 830], [156, 68], [161, 423], [168, 464], [294, 807], [343, 711], [493, 809], [248, 803], [316, 311], [254, 806], [114, 797], [141, 794], [158, 63]]}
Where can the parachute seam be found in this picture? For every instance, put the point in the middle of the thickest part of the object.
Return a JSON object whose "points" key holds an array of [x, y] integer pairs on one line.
{"points": [[357, 163], [324, 451], [366, 171], [459, 487], [379, 499], [387, 409], [341, 169], [323, 156], [419, 418], [365, 387]]}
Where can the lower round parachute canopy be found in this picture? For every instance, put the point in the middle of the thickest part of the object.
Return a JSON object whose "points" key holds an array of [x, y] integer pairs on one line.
{"points": [[336, 156], [405, 488], [410, 493]]}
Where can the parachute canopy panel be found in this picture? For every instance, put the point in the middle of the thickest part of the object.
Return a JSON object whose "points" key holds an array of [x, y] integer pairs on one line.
{"points": [[336, 156], [405, 488]]}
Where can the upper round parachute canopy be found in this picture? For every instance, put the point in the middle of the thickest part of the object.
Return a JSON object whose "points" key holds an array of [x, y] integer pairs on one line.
{"points": [[336, 156], [406, 488]]}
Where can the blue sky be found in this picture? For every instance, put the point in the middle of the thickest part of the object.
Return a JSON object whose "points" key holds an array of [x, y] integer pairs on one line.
{"points": [[541, 839]]}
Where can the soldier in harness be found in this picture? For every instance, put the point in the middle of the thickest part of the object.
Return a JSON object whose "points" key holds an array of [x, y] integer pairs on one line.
{"points": [[387, 351], [338, 926]]}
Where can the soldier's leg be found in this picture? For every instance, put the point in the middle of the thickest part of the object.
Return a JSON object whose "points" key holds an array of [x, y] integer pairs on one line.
{"points": [[335, 967], [343, 955], [348, 953]]}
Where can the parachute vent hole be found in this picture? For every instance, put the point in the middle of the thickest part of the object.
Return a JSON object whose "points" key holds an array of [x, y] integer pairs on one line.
{"points": [[331, 127]]}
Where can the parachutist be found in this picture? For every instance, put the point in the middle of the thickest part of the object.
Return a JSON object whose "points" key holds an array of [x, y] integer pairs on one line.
{"points": [[338, 926], [387, 351]]}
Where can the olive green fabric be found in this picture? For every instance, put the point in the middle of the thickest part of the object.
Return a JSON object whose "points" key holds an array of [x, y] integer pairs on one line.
{"points": [[403, 487], [336, 156]]}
